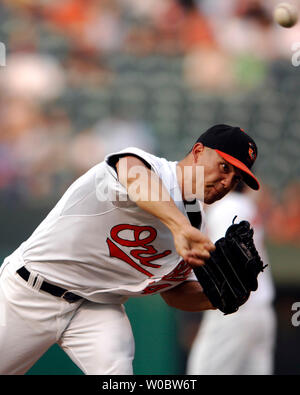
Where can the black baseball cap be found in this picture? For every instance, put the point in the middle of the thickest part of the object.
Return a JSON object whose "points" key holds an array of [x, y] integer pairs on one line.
{"points": [[235, 146]]}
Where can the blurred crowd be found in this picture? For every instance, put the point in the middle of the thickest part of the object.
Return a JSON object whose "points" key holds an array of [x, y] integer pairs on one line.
{"points": [[59, 49], [168, 26], [280, 215]]}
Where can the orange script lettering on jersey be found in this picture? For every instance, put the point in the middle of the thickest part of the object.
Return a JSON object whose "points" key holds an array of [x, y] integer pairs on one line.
{"points": [[179, 274], [136, 241]]}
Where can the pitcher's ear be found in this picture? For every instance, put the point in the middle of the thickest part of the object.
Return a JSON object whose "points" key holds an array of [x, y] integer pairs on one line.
{"points": [[197, 150]]}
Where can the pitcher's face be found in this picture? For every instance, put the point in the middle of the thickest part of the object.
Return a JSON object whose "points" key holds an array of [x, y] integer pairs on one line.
{"points": [[220, 176]]}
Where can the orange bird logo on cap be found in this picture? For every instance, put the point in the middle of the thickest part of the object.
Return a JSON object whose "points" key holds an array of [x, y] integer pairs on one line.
{"points": [[252, 153]]}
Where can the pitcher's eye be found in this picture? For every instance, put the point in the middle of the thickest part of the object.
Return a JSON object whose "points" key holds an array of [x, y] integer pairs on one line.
{"points": [[225, 167]]}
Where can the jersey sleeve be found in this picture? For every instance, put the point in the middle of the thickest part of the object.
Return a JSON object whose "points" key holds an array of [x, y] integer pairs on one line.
{"points": [[149, 160], [107, 182]]}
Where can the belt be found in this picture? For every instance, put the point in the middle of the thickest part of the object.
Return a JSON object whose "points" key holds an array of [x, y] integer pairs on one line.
{"points": [[50, 288]]}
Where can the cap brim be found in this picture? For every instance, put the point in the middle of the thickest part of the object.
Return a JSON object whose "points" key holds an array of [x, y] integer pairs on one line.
{"points": [[248, 177]]}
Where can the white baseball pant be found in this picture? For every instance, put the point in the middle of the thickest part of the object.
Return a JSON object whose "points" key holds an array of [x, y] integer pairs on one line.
{"points": [[97, 337], [237, 344]]}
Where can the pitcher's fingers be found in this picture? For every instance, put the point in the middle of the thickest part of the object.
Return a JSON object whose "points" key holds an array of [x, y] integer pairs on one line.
{"points": [[210, 246], [199, 253], [194, 261]]}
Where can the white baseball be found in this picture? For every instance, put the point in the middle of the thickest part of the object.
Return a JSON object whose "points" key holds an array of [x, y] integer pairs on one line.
{"points": [[286, 14]]}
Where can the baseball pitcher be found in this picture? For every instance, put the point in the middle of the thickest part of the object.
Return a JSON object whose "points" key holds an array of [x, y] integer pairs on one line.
{"points": [[130, 226]]}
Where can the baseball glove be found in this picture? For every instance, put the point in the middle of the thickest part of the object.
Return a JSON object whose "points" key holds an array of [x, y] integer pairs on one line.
{"points": [[230, 274]]}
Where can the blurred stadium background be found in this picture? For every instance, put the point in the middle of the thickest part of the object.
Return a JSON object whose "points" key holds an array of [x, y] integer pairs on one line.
{"points": [[87, 77]]}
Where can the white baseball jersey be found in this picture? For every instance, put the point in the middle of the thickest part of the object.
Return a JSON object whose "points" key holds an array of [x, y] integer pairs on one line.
{"points": [[106, 250]]}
